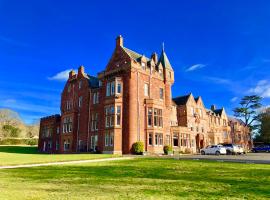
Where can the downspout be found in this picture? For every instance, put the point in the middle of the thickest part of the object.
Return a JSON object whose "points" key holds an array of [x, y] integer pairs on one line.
{"points": [[89, 119], [78, 130], [138, 109]]}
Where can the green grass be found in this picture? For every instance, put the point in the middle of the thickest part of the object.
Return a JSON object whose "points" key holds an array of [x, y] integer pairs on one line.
{"points": [[145, 178], [15, 155]]}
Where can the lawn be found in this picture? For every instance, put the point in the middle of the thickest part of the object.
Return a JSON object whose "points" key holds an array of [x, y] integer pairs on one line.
{"points": [[14, 155], [141, 178]]}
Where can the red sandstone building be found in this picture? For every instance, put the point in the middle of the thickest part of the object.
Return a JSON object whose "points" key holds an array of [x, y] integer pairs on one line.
{"points": [[131, 101]]}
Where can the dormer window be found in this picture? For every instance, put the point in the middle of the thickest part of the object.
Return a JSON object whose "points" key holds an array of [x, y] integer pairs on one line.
{"points": [[143, 65], [69, 88], [160, 72]]}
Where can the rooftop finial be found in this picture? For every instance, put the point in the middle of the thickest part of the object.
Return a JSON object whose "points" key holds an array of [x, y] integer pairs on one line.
{"points": [[163, 46]]}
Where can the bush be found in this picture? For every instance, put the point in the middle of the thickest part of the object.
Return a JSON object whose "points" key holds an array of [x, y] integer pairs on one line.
{"points": [[138, 148], [19, 141], [188, 151], [167, 149]]}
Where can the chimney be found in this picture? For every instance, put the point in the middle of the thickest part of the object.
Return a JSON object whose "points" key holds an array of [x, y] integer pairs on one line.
{"points": [[120, 41], [71, 73], [154, 56], [81, 70], [213, 107]]}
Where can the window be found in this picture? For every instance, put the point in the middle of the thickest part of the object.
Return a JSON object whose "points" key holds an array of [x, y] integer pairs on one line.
{"points": [[107, 136], [80, 84], [99, 83], [68, 105], [192, 111], [197, 128], [159, 139], [150, 117], [118, 115], [175, 140], [202, 129], [69, 88], [168, 140], [96, 98], [80, 101], [66, 145], [108, 89], [158, 117], [109, 116], [112, 88], [160, 72], [143, 65], [58, 130], [111, 138], [94, 121], [67, 125], [150, 139], [146, 89], [225, 135], [57, 145], [161, 93], [200, 112], [119, 88], [191, 127]]}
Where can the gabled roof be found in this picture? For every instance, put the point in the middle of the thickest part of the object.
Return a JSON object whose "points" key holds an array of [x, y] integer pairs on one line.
{"points": [[218, 111], [134, 55], [93, 81], [164, 60], [182, 100], [196, 99]]}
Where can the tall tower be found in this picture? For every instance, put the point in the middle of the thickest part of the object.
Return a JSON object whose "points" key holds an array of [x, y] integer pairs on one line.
{"points": [[168, 76]]}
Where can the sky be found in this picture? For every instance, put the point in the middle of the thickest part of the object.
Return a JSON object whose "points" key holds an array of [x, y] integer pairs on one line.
{"points": [[219, 50]]}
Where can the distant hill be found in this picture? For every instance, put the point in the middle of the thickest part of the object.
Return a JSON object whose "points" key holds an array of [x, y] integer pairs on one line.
{"points": [[11, 125]]}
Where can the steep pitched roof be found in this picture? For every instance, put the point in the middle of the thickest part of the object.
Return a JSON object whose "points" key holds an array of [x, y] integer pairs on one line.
{"points": [[164, 60], [93, 81], [218, 111], [182, 100], [134, 55]]}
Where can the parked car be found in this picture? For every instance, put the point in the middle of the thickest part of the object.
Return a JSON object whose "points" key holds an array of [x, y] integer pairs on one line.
{"points": [[241, 150], [261, 148], [233, 149], [214, 149]]}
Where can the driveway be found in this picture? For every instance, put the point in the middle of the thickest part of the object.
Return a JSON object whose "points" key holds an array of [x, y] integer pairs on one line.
{"points": [[262, 158]]}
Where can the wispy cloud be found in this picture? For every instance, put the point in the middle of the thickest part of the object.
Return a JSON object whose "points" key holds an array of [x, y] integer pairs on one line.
{"points": [[218, 80], [234, 99], [61, 76], [24, 106], [262, 89], [195, 67]]}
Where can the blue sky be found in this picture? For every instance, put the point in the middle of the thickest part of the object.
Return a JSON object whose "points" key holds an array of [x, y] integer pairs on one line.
{"points": [[219, 50]]}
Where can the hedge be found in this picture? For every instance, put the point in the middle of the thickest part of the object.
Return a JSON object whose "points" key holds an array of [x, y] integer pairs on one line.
{"points": [[18, 141]]}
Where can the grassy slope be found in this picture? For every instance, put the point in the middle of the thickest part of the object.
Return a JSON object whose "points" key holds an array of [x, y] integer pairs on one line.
{"points": [[14, 155], [139, 179]]}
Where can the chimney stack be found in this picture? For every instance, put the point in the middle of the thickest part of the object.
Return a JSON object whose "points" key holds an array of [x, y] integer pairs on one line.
{"points": [[120, 41], [81, 70], [71, 73], [213, 107]]}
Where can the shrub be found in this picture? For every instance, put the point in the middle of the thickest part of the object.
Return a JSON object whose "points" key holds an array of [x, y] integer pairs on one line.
{"points": [[138, 148], [188, 151], [167, 149], [19, 141]]}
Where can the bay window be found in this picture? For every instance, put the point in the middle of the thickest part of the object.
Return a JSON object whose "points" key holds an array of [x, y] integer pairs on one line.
{"points": [[112, 116], [175, 140], [158, 139], [118, 115]]}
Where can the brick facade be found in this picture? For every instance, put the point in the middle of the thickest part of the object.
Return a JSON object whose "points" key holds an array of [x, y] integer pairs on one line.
{"points": [[131, 101]]}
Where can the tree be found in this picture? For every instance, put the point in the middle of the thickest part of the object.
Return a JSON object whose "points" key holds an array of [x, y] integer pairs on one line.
{"points": [[264, 130], [248, 110], [11, 131]]}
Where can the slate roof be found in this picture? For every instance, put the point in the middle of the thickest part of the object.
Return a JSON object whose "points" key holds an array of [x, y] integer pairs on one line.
{"points": [[93, 81], [182, 100], [134, 55], [164, 60], [218, 111]]}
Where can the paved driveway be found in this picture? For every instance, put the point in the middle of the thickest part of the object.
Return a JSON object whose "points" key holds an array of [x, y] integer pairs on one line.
{"points": [[263, 158]]}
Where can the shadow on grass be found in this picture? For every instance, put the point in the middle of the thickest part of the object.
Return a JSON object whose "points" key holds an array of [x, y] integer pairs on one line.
{"points": [[159, 177], [19, 149]]}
